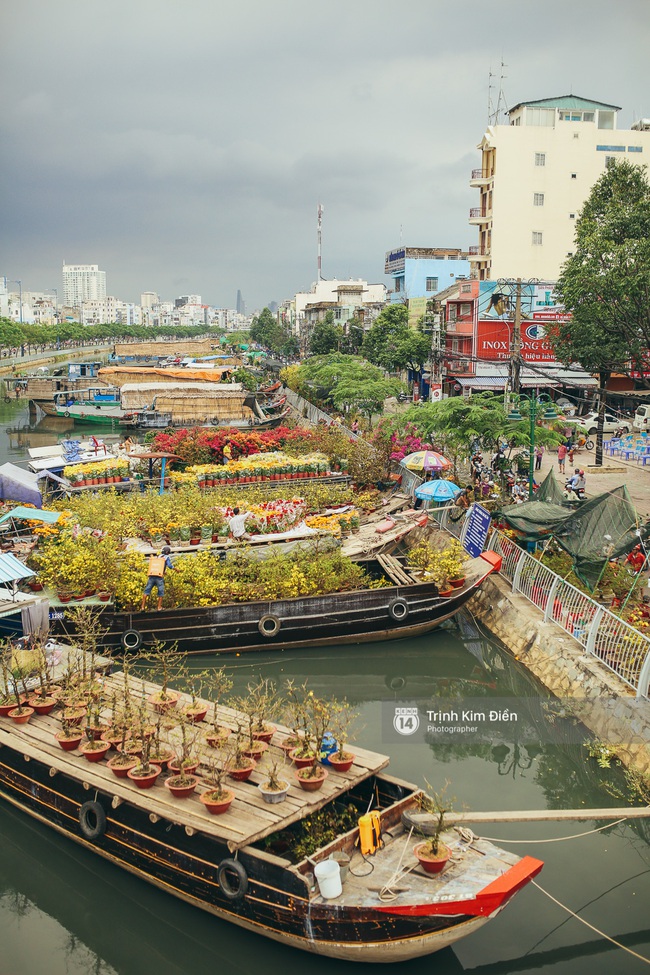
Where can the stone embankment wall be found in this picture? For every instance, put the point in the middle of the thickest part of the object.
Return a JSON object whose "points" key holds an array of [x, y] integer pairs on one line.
{"points": [[605, 704]]}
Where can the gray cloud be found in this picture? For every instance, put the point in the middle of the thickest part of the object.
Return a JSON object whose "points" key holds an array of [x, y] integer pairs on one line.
{"points": [[186, 146]]}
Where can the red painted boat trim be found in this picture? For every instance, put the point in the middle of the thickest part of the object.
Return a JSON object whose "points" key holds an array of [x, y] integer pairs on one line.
{"points": [[488, 900]]}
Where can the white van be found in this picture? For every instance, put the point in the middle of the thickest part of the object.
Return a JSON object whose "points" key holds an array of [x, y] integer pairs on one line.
{"points": [[642, 417]]}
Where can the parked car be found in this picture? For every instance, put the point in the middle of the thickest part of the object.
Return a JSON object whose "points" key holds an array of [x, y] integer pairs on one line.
{"points": [[611, 424], [642, 417]]}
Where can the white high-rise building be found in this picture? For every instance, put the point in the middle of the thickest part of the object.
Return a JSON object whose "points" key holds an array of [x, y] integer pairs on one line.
{"points": [[536, 174], [83, 282]]}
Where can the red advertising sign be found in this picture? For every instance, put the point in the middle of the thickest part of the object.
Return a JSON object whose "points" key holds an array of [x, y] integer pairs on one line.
{"points": [[493, 341]]}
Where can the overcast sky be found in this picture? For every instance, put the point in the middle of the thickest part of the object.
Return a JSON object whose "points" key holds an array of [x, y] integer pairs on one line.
{"points": [[183, 145]]}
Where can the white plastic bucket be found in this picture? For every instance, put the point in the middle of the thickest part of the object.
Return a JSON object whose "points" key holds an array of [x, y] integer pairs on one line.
{"points": [[328, 875]]}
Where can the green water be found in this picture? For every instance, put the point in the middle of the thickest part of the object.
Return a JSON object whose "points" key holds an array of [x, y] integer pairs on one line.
{"points": [[66, 912]]}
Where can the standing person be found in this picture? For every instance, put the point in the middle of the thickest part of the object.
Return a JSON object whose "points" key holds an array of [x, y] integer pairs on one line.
{"points": [[539, 453], [237, 525], [158, 565], [561, 457], [227, 452], [355, 426]]}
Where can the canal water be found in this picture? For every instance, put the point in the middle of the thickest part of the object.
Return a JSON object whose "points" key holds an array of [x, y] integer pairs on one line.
{"points": [[66, 912]]}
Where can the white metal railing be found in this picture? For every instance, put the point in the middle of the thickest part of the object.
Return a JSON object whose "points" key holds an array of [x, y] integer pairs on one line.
{"points": [[621, 647]]}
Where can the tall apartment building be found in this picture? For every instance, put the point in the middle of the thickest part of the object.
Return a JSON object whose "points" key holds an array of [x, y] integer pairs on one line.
{"points": [[421, 272], [535, 175], [83, 282]]}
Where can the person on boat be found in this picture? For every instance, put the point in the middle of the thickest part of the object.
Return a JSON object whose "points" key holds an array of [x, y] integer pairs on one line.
{"points": [[636, 559], [158, 565], [237, 525]]}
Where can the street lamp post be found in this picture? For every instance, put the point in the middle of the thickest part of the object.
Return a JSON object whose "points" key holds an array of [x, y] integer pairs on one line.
{"points": [[532, 403]]}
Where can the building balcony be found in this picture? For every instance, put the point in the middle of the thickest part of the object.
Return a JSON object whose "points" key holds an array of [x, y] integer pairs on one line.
{"points": [[479, 215], [480, 177], [460, 367], [479, 254]]}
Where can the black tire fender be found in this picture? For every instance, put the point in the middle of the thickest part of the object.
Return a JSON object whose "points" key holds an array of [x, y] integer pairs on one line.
{"points": [[229, 871], [269, 625], [7, 399], [92, 820], [398, 609], [131, 640]]}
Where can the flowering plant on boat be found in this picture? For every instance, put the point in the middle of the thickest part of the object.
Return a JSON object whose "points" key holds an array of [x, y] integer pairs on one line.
{"points": [[441, 566]]}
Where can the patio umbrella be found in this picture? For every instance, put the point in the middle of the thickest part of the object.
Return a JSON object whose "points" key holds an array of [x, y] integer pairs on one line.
{"points": [[425, 460], [438, 491]]}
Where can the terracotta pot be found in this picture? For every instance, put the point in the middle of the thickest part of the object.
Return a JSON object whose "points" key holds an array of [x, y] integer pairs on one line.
{"points": [[217, 806], [21, 715], [64, 597], [121, 771], [145, 781], [181, 790], [446, 593], [163, 759], [6, 708], [457, 583], [95, 753], [68, 744], [432, 864], [288, 745], [256, 750], [340, 765], [174, 766], [104, 596], [194, 541], [114, 740], [314, 783], [42, 705], [242, 774], [216, 739], [36, 586], [163, 706], [197, 715], [266, 734], [304, 762]]}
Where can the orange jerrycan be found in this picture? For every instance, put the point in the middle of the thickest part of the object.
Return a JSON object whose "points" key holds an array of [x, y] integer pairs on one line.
{"points": [[370, 833]]}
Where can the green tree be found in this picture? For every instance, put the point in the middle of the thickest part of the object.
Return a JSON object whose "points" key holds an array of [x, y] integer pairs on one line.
{"points": [[348, 383], [326, 337], [391, 343], [605, 285]]}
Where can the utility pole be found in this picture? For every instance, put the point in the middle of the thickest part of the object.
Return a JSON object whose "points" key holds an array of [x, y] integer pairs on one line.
{"points": [[515, 345]]}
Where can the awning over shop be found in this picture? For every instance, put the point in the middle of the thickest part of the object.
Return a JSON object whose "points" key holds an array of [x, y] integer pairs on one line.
{"points": [[498, 382]]}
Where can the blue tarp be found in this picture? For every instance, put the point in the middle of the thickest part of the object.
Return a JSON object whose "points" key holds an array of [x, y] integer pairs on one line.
{"points": [[19, 485]]}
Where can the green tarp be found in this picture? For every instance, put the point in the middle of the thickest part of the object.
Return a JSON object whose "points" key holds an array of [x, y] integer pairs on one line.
{"points": [[33, 514]]}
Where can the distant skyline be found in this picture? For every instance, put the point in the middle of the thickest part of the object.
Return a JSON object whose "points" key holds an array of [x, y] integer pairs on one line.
{"points": [[185, 148]]}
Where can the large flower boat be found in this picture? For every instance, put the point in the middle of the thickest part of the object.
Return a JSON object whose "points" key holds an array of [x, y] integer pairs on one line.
{"points": [[232, 865], [406, 607]]}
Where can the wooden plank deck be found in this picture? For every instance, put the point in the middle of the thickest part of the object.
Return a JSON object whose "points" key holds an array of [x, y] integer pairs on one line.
{"points": [[249, 817]]}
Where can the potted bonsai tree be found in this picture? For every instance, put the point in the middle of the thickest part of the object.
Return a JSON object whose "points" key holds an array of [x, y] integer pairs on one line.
{"points": [[274, 788], [342, 717], [432, 853], [217, 798]]}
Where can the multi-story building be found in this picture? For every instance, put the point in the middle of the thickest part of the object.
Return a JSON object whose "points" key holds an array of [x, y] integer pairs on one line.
{"points": [[345, 299], [535, 175], [83, 282], [421, 272]]}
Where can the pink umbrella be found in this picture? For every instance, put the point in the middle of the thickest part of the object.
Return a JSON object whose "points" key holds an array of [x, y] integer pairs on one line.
{"points": [[426, 460]]}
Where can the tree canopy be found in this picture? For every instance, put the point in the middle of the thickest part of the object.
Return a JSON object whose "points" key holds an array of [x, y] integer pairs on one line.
{"points": [[605, 284], [348, 382], [267, 331], [392, 344], [326, 337]]}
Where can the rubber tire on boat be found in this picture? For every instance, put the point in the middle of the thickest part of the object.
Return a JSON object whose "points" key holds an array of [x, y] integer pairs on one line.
{"points": [[398, 609], [421, 822], [92, 820], [67, 413], [226, 869], [269, 618], [7, 399], [131, 640]]}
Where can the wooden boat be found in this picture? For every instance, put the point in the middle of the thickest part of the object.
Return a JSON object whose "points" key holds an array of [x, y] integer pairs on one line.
{"points": [[407, 608], [239, 867]]}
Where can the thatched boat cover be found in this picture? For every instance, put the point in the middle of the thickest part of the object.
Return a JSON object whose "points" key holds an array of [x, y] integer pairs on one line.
{"points": [[119, 375], [190, 402], [180, 347]]}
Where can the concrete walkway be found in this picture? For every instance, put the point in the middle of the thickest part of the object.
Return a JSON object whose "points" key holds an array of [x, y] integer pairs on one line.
{"points": [[635, 476]]}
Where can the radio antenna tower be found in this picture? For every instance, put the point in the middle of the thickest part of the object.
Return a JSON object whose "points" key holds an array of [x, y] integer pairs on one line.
{"points": [[319, 239], [495, 112]]}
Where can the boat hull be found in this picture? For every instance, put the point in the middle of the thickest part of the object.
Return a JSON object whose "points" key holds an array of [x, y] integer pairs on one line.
{"points": [[186, 863], [362, 616]]}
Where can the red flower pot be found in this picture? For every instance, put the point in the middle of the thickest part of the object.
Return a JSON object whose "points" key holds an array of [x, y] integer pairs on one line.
{"points": [[457, 583], [446, 592], [242, 774], [21, 715], [6, 708], [265, 735], [216, 807], [196, 716], [340, 765], [181, 790], [42, 705], [256, 751], [121, 771], [312, 783], [145, 781], [432, 864], [175, 767], [69, 744], [304, 762], [97, 753], [64, 597]]}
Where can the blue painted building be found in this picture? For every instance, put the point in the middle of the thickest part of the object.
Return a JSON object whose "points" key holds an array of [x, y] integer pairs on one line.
{"points": [[421, 272]]}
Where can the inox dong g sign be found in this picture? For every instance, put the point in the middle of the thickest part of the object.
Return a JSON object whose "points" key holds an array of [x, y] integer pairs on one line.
{"points": [[493, 341]]}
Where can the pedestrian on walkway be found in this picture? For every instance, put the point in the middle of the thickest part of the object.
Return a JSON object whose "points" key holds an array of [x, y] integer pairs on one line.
{"points": [[561, 457], [539, 453]]}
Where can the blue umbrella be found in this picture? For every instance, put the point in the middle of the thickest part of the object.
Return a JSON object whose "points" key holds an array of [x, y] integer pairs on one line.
{"points": [[438, 491]]}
